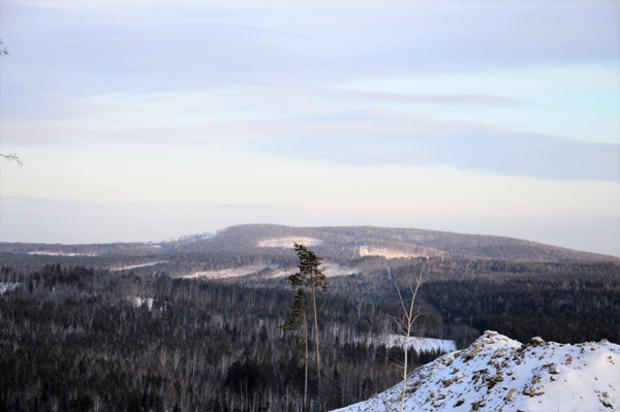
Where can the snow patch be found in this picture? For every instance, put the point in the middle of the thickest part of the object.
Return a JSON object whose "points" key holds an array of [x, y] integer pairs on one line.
{"points": [[51, 253], [335, 269], [329, 269], [288, 242], [497, 373], [140, 265], [224, 273], [386, 253], [138, 301], [8, 287]]}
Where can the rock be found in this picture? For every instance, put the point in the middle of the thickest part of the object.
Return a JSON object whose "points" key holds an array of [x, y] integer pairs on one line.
{"points": [[536, 340], [511, 394]]}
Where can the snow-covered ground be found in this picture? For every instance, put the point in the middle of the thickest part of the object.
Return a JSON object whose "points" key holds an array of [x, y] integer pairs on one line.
{"points": [[7, 287], [286, 242], [234, 272], [51, 253], [270, 271], [497, 373], [421, 344], [138, 301], [140, 265], [335, 269], [329, 269], [386, 253]]}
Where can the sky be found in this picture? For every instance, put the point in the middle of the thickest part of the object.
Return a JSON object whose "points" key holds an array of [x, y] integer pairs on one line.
{"points": [[148, 120]]}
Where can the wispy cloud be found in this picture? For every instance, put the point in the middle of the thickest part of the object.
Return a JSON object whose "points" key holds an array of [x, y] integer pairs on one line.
{"points": [[344, 94], [461, 98], [370, 138]]}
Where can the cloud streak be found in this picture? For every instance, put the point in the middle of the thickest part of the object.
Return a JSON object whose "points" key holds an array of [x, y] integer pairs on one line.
{"points": [[461, 98], [375, 138]]}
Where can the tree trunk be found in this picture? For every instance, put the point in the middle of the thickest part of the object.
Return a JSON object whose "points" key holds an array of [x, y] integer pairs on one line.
{"points": [[306, 359], [316, 345], [406, 347]]}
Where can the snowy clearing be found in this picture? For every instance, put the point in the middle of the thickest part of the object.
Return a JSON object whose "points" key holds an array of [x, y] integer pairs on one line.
{"points": [[8, 287], [224, 273], [386, 253], [497, 373], [329, 270], [139, 265], [335, 269], [288, 242], [50, 253]]}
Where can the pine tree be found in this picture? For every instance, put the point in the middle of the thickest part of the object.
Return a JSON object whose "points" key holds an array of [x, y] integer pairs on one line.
{"points": [[310, 276]]}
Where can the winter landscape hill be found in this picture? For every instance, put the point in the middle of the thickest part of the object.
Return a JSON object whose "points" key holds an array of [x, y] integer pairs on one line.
{"points": [[358, 241], [496, 373], [344, 242], [195, 322]]}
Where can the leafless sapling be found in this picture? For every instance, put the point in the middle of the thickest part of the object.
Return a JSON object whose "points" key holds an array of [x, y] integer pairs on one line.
{"points": [[407, 322]]}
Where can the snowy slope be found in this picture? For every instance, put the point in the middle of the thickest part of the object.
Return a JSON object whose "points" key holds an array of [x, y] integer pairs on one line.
{"points": [[500, 374], [140, 265]]}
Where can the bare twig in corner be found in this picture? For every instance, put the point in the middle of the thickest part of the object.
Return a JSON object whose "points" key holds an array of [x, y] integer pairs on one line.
{"points": [[11, 157]]}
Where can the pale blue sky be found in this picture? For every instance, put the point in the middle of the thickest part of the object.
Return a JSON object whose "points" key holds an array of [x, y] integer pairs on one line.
{"points": [[141, 122]]}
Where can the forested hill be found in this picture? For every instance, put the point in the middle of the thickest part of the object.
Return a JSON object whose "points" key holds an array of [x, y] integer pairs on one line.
{"points": [[337, 242], [355, 241]]}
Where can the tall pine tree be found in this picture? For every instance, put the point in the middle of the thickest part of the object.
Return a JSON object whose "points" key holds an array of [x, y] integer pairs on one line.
{"points": [[310, 276]]}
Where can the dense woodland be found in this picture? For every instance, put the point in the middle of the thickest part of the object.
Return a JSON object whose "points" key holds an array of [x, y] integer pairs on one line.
{"points": [[76, 339], [80, 338]]}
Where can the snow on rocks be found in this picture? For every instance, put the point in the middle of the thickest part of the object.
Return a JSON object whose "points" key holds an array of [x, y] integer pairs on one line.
{"points": [[497, 373]]}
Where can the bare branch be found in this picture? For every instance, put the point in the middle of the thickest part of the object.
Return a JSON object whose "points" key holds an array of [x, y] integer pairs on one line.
{"points": [[400, 296], [11, 157]]}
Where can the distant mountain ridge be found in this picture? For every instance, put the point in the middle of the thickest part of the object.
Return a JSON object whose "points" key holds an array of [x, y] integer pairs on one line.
{"points": [[335, 242]]}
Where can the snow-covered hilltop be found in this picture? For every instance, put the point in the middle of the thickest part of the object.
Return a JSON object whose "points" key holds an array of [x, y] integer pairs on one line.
{"points": [[497, 373]]}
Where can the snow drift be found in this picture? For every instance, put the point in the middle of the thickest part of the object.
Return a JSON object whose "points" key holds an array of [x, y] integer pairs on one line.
{"points": [[497, 373]]}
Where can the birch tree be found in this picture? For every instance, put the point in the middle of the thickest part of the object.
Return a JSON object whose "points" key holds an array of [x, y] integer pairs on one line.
{"points": [[407, 322]]}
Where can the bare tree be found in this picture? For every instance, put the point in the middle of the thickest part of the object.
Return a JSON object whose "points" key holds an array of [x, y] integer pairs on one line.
{"points": [[11, 157], [97, 402], [407, 322]]}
